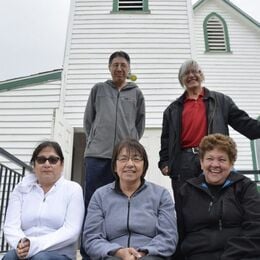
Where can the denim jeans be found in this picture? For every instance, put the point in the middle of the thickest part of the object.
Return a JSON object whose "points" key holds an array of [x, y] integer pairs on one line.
{"points": [[98, 172], [45, 255]]}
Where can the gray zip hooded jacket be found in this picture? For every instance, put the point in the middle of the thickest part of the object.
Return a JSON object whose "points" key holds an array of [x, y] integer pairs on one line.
{"points": [[146, 221], [112, 115]]}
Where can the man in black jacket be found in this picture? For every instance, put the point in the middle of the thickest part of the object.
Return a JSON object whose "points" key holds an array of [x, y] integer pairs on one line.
{"points": [[196, 113]]}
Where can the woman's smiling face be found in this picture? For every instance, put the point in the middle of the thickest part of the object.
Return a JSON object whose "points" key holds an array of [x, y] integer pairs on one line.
{"points": [[129, 167], [216, 166], [47, 172]]}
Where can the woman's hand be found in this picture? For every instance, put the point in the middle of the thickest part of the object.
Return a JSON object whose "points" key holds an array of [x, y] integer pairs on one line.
{"points": [[129, 253], [23, 247], [136, 253]]}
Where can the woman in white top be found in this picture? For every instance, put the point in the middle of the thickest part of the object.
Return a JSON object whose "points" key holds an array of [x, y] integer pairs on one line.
{"points": [[45, 211]]}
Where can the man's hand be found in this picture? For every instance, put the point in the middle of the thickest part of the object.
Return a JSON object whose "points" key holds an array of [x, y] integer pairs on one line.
{"points": [[23, 247], [165, 171]]}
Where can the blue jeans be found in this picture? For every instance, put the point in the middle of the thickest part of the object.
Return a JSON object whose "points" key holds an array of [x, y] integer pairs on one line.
{"points": [[98, 172], [45, 255]]}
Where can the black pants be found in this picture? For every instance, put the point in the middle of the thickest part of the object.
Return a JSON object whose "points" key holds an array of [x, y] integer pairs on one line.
{"points": [[189, 168]]}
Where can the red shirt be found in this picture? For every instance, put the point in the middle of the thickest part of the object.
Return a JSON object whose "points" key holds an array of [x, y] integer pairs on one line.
{"points": [[194, 121]]}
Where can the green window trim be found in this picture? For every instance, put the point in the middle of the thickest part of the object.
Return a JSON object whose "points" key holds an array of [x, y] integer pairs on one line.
{"points": [[116, 3], [206, 36]]}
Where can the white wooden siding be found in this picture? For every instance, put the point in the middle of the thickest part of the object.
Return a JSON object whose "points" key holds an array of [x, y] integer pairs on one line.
{"points": [[236, 74], [151, 143], [27, 117], [157, 43]]}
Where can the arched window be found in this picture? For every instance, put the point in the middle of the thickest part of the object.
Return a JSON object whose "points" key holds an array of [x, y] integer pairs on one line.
{"points": [[216, 34], [130, 6]]}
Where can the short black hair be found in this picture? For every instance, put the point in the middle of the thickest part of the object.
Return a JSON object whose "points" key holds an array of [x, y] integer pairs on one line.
{"points": [[43, 145], [131, 145], [119, 54]]}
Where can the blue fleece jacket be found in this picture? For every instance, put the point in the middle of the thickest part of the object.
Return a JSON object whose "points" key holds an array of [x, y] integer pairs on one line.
{"points": [[146, 221]]}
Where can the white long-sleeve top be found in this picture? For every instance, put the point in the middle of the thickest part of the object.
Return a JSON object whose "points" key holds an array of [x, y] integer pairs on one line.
{"points": [[51, 221]]}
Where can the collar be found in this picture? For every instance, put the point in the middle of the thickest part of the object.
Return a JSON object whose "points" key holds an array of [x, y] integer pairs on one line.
{"points": [[116, 187], [30, 181], [200, 182], [206, 94], [129, 85], [200, 96]]}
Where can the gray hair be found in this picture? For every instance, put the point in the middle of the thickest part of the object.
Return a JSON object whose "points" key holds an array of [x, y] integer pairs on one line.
{"points": [[187, 66]]}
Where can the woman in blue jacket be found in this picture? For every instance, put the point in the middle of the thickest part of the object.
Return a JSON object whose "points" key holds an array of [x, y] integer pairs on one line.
{"points": [[221, 208], [130, 218]]}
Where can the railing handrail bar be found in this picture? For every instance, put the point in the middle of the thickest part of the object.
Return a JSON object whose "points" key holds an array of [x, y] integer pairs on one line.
{"points": [[254, 173], [14, 159]]}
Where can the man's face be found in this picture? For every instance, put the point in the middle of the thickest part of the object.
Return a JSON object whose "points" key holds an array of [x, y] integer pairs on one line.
{"points": [[192, 78], [119, 69]]}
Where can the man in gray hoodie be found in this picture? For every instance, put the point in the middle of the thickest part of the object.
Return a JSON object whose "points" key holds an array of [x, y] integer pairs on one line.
{"points": [[115, 110]]}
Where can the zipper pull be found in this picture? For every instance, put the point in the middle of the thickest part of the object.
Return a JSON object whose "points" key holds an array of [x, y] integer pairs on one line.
{"points": [[221, 214], [220, 224], [210, 206]]}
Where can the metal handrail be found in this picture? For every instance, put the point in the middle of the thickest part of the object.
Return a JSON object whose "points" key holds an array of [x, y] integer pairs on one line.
{"points": [[252, 174], [8, 180], [15, 159]]}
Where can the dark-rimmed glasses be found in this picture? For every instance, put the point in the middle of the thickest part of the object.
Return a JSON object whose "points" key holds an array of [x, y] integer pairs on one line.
{"points": [[125, 159], [43, 159]]}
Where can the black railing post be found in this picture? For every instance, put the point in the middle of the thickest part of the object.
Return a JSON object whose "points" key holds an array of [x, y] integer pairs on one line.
{"points": [[8, 179]]}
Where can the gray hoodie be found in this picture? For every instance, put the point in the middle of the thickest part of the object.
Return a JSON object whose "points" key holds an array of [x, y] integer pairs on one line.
{"points": [[145, 221], [112, 115]]}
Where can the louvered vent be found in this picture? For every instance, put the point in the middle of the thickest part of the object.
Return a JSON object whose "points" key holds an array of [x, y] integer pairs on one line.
{"points": [[216, 35], [130, 5]]}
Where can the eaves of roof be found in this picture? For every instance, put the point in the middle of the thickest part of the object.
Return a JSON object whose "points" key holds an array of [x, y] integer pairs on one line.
{"points": [[236, 8], [34, 79]]}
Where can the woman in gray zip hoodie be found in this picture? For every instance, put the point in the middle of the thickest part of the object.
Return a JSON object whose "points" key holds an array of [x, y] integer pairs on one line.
{"points": [[130, 218]]}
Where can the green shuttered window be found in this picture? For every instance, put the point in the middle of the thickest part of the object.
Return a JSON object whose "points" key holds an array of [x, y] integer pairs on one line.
{"points": [[130, 6], [216, 34]]}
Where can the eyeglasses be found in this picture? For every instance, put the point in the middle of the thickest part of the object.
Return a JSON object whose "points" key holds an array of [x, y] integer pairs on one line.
{"points": [[51, 159], [193, 71], [135, 159], [117, 65]]}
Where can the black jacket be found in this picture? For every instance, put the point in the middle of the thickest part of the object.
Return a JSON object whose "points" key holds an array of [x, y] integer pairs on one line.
{"points": [[221, 112], [221, 227]]}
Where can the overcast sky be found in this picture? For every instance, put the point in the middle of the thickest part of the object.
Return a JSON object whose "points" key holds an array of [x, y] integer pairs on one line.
{"points": [[33, 34]]}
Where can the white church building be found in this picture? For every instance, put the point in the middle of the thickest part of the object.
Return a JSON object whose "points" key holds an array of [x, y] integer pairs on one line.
{"points": [[159, 35]]}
